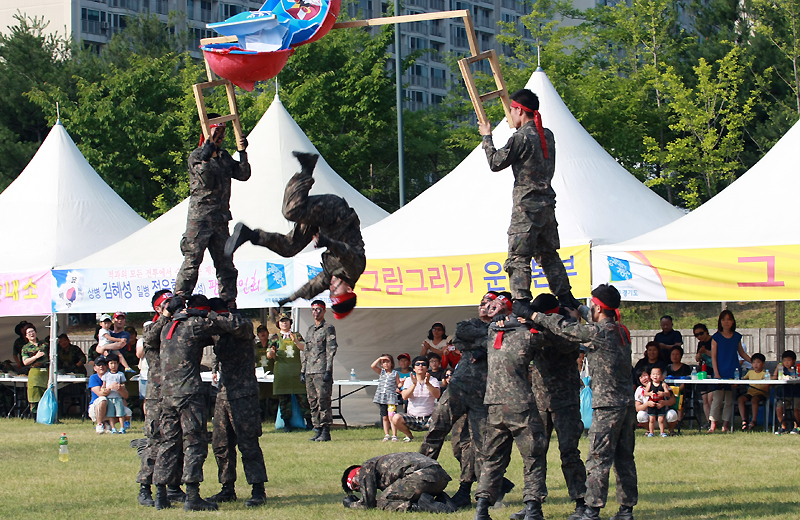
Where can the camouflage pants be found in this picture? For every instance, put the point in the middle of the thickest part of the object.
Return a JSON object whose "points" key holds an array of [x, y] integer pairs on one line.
{"points": [[540, 243], [285, 402], [466, 422], [199, 236], [506, 427], [238, 423], [183, 426], [295, 203], [611, 441], [319, 399], [568, 426], [403, 492], [152, 418]]}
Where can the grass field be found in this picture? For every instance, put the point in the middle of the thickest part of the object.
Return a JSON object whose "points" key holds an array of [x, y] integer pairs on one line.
{"points": [[693, 476]]}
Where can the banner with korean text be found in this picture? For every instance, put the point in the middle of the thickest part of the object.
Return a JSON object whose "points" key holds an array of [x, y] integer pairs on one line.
{"points": [[130, 289], [759, 273], [25, 294], [456, 280]]}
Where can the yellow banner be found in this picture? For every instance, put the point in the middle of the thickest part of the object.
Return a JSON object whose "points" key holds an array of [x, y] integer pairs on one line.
{"points": [[727, 274], [457, 280]]}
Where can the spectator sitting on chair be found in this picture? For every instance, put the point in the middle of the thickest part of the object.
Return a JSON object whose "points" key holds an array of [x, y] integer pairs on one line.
{"points": [[421, 390], [435, 366], [787, 393], [755, 393], [445, 380], [129, 351], [98, 406], [641, 405], [451, 355], [436, 342], [667, 338], [651, 359], [71, 359]]}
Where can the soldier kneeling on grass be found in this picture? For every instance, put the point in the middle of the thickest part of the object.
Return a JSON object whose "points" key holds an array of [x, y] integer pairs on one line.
{"points": [[408, 481]]}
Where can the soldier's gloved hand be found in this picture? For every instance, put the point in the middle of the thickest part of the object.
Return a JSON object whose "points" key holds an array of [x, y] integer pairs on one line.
{"points": [[349, 500], [283, 301], [208, 150], [322, 240], [478, 355], [197, 312], [175, 304], [243, 144], [327, 378], [522, 308], [302, 377]]}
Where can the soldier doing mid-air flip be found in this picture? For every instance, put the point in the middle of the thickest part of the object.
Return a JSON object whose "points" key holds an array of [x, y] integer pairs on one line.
{"points": [[330, 221]]}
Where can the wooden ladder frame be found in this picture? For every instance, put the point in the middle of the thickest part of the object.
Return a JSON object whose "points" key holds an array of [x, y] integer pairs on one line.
{"points": [[199, 98]]}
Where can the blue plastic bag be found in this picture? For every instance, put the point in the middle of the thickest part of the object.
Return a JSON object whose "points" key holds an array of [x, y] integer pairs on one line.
{"points": [[47, 412], [297, 416], [586, 403]]}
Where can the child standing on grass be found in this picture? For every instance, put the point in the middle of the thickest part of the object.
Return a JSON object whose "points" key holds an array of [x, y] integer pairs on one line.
{"points": [[755, 393], [788, 393], [386, 394], [116, 404], [660, 397]]}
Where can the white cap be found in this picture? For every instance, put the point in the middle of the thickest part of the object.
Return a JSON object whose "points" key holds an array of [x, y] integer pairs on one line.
{"points": [[104, 317]]}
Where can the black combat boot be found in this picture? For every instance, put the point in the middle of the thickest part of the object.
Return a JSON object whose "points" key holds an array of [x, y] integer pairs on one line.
{"points": [[624, 513], [591, 513], [580, 507], [428, 504], [309, 424], [533, 510], [194, 502], [307, 161], [145, 497], [482, 509], [259, 497], [161, 501], [519, 515], [463, 497], [240, 235], [228, 493], [325, 435], [175, 494], [317, 433]]}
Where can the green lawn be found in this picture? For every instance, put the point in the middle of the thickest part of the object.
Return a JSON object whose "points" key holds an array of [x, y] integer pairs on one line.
{"points": [[742, 476]]}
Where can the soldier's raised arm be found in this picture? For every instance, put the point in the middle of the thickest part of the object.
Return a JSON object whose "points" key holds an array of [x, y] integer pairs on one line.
{"points": [[504, 157], [470, 335], [566, 328]]}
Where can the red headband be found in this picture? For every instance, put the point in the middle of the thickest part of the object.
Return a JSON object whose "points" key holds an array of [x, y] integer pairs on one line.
{"points": [[161, 299], [554, 310], [505, 301], [351, 476], [537, 119], [491, 296], [210, 130], [339, 299], [622, 327], [202, 308]]}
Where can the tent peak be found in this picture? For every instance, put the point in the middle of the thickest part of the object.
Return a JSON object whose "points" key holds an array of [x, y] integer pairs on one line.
{"points": [[539, 69]]}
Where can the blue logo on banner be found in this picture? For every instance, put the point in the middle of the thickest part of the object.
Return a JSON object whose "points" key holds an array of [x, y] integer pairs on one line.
{"points": [[620, 269], [276, 276], [313, 271]]}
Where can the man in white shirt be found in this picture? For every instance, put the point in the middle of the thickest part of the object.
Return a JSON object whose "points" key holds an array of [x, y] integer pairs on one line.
{"points": [[422, 390]]}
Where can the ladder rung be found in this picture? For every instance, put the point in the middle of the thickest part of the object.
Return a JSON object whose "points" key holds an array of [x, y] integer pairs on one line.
{"points": [[492, 95], [485, 55], [222, 119]]}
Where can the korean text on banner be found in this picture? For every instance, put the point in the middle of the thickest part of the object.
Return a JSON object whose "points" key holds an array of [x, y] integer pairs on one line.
{"points": [[456, 280], [25, 294]]}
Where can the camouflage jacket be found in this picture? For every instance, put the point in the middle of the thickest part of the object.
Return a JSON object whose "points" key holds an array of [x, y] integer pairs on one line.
{"points": [[507, 382], [555, 377], [210, 185], [182, 342], [320, 348], [345, 256], [236, 359], [69, 360], [380, 472], [533, 174], [469, 376], [152, 353], [608, 356]]}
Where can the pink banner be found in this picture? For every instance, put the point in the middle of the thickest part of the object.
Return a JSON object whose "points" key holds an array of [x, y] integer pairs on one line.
{"points": [[25, 294]]}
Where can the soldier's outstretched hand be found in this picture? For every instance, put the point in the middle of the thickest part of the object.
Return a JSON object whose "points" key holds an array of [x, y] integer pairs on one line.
{"points": [[485, 128]]}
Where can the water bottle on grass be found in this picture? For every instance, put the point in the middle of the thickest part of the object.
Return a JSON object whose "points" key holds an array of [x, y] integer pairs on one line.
{"points": [[63, 449]]}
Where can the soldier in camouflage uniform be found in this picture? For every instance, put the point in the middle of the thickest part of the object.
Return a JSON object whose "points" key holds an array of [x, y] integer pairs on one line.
{"points": [[211, 169], [513, 415], [611, 437], [460, 411], [318, 371], [409, 481], [531, 153], [183, 417], [556, 387], [330, 221], [152, 408], [285, 364], [237, 416]]}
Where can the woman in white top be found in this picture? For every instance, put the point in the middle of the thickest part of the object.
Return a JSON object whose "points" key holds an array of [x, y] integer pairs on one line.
{"points": [[436, 342]]}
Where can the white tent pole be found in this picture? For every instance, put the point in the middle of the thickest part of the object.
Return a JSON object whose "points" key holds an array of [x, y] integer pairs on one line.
{"points": [[54, 354]]}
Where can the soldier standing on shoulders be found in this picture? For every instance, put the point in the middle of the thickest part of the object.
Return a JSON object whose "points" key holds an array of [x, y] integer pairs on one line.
{"points": [[409, 481], [317, 371], [611, 437], [531, 153], [211, 169], [556, 387], [237, 416]]}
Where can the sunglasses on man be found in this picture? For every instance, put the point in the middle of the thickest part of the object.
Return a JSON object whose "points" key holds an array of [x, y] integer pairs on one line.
{"points": [[420, 364]]}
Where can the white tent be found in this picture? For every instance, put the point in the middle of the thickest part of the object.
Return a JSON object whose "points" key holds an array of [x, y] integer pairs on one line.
{"points": [[741, 245], [466, 215], [152, 256]]}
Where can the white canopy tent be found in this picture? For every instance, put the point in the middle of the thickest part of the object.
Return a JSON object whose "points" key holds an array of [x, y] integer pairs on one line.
{"points": [[742, 245], [466, 215]]}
